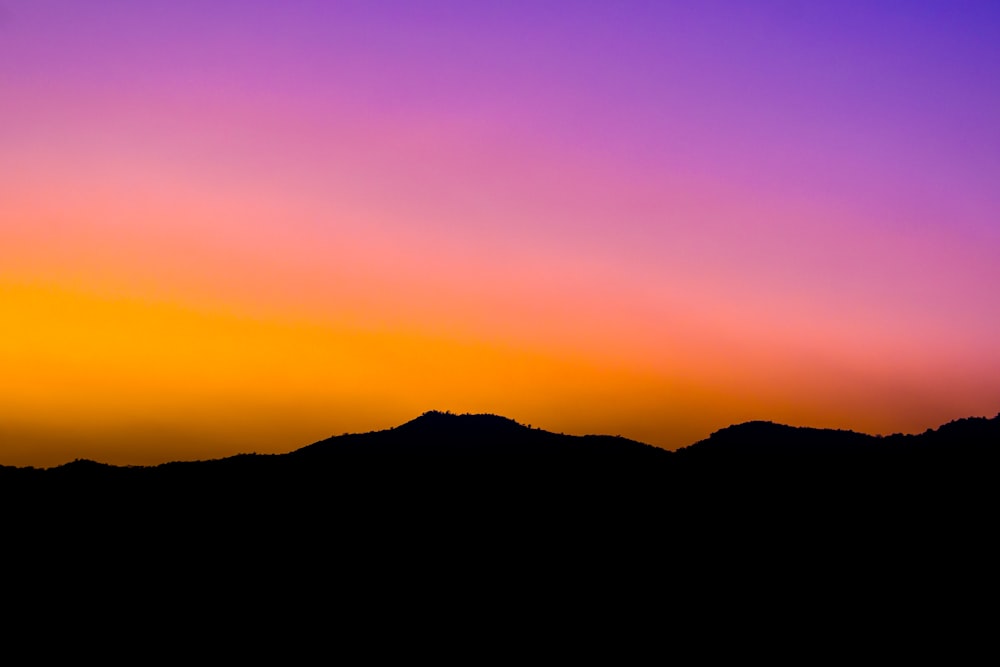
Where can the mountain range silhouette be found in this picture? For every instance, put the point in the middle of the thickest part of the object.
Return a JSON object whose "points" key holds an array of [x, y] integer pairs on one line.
{"points": [[447, 439], [443, 471], [475, 513]]}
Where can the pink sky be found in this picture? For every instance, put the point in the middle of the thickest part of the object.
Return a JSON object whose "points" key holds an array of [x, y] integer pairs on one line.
{"points": [[253, 226]]}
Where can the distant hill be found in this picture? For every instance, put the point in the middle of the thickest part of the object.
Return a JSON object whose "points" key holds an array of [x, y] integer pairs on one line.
{"points": [[488, 439], [436, 443], [479, 512], [968, 448], [761, 438], [449, 463]]}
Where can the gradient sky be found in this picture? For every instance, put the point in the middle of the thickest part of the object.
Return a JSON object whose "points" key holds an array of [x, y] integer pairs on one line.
{"points": [[236, 226]]}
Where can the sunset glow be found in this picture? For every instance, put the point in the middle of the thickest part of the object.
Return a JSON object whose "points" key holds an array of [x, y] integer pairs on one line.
{"points": [[246, 226]]}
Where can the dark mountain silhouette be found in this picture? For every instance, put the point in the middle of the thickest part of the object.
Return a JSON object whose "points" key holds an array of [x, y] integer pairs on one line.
{"points": [[966, 449], [485, 451], [486, 442], [445, 475], [767, 439], [446, 519]]}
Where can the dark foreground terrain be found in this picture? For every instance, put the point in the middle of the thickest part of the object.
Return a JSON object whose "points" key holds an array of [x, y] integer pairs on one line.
{"points": [[463, 471], [461, 515]]}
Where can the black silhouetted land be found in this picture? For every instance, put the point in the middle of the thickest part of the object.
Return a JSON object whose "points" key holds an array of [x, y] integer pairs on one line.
{"points": [[472, 511], [488, 454], [445, 465], [481, 476]]}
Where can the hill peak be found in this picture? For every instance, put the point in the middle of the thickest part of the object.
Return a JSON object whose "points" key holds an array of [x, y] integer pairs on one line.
{"points": [[435, 420]]}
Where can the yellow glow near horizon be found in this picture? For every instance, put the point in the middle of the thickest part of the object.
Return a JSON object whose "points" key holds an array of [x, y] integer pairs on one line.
{"points": [[133, 382]]}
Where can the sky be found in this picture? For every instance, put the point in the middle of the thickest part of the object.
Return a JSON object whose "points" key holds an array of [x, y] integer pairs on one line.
{"points": [[244, 226]]}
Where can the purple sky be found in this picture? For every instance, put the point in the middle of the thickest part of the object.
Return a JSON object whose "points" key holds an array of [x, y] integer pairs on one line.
{"points": [[785, 211]]}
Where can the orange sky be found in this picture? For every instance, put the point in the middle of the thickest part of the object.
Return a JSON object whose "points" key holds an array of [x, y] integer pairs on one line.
{"points": [[225, 233]]}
